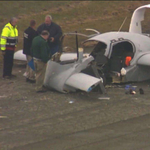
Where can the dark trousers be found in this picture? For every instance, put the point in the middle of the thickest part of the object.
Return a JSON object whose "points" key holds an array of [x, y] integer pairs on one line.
{"points": [[54, 49], [8, 62]]}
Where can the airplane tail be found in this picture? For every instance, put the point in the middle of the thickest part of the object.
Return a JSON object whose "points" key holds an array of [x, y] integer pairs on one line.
{"points": [[137, 17]]}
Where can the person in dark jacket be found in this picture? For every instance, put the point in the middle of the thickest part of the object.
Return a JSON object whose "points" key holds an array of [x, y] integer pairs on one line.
{"points": [[40, 52], [29, 34], [54, 31]]}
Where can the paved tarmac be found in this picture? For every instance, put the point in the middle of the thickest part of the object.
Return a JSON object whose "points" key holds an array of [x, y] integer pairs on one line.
{"points": [[73, 121], [132, 134]]}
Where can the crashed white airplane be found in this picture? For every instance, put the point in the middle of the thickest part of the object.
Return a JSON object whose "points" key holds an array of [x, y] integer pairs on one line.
{"points": [[108, 54], [114, 47]]}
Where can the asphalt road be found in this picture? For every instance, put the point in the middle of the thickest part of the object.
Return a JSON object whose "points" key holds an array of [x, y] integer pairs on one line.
{"points": [[73, 121]]}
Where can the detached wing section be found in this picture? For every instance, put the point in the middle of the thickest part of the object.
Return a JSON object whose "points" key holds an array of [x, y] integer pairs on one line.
{"points": [[82, 81], [68, 77], [137, 17]]}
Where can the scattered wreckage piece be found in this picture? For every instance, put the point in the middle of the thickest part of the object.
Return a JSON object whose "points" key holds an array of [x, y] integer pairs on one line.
{"points": [[64, 74]]}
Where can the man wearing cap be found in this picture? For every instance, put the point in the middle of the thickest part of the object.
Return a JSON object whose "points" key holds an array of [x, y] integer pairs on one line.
{"points": [[54, 31]]}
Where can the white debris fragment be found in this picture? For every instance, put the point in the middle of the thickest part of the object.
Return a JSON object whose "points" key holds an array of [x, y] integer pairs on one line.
{"points": [[25, 74], [106, 98], [3, 117], [71, 102]]}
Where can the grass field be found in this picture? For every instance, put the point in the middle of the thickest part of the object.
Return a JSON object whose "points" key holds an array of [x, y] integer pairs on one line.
{"points": [[71, 15]]}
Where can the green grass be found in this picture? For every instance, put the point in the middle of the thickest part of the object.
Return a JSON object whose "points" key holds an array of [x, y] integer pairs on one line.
{"points": [[104, 16]]}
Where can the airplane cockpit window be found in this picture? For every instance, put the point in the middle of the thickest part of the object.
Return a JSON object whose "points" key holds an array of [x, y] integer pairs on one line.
{"points": [[89, 46], [97, 50], [122, 54], [98, 53]]}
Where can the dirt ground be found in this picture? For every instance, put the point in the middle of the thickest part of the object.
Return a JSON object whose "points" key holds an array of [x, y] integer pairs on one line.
{"points": [[73, 121]]}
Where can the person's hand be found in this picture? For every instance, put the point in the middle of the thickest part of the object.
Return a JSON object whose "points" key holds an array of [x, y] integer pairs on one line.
{"points": [[3, 53], [52, 39]]}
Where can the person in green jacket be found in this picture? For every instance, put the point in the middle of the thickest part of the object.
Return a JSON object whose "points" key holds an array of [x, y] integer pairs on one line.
{"points": [[40, 51]]}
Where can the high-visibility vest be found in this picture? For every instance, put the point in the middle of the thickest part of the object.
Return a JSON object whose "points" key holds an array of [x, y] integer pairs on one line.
{"points": [[9, 37], [127, 61]]}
